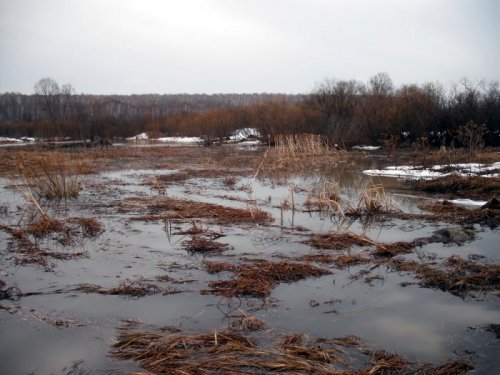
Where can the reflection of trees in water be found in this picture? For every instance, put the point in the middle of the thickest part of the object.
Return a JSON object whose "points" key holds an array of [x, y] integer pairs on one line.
{"points": [[349, 179]]}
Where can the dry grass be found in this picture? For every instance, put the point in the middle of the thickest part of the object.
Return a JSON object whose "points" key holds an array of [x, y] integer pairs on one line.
{"points": [[325, 198], [44, 226], [337, 241], [10, 293], [258, 278], [200, 245], [347, 260], [230, 353], [373, 201], [221, 353], [461, 186], [197, 229], [51, 175], [457, 275], [30, 253], [300, 152], [452, 213], [164, 208], [217, 267], [243, 321], [90, 227], [132, 288], [396, 248]]}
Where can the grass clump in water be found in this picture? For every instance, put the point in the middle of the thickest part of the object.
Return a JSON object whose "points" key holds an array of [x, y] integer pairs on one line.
{"points": [[258, 278], [51, 175]]}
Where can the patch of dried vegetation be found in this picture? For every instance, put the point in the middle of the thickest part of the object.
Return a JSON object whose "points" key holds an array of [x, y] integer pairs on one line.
{"points": [[456, 275], [201, 245], [165, 208], [235, 353], [337, 241], [448, 212], [257, 278], [461, 186], [131, 288], [24, 241]]}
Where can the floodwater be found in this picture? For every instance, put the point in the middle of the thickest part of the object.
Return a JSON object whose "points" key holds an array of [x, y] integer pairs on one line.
{"points": [[420, 323]]}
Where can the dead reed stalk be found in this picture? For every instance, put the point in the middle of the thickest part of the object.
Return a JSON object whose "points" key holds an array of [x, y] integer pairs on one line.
{"points": [[51, 175]]}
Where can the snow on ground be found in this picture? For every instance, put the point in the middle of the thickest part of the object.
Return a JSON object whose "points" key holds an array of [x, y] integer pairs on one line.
{"points": [[27, 139], [419, 172], [468, 202], [366, 148], [138, 137], [179, 139], [243, 134], [12, 140], [145, 137]]}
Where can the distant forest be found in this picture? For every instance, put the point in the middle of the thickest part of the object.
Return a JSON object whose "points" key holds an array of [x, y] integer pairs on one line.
{"points": [[344, 112]]}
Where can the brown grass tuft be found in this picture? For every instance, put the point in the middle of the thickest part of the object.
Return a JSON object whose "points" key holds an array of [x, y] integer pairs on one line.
{"points": [[337, 241], [203, 246], [233, 353], [91, 227], [217, 267], [258, 278], [462, 186], [162, 208], [396, 248], [51, 175], [133, 288], [244, 321], [458, 276]]}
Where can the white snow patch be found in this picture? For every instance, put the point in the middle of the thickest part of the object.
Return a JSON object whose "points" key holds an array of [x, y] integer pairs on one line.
{"points": [[468, 202], [7, 139], [179, 139], [138, 137], [418, 172], [28, 139], [243, 134], [366, 148]]}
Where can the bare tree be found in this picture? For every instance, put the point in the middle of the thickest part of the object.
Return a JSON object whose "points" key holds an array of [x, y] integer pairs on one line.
{"points": [[336, 101], [48, 92], [471, 134]]}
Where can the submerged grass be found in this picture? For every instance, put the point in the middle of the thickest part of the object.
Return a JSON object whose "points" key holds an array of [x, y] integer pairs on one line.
{"points": [[28, 252], [457, 276], [132, 288], [201, 245], [337, 241], [10, 293], [164, 208], [259, 277]]}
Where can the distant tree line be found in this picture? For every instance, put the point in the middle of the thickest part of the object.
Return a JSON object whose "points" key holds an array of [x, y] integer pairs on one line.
{"points": [[344, 112]]}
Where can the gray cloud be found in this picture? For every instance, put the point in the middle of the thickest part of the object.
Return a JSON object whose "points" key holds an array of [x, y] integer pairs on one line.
{"points": [[132, 46]]}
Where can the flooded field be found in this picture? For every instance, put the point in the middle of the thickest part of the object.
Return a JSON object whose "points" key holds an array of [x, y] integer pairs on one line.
{"points": [[225, 260]]}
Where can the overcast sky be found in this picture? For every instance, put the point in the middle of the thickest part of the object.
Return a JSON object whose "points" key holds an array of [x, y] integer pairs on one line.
{"points": [[226, 46]]}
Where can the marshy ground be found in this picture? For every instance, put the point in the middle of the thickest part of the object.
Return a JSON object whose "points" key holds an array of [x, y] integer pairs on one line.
{"points": [[236, 260]]}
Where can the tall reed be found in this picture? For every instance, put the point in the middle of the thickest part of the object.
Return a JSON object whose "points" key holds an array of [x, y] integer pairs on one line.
{"points": [[51, 175]]}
